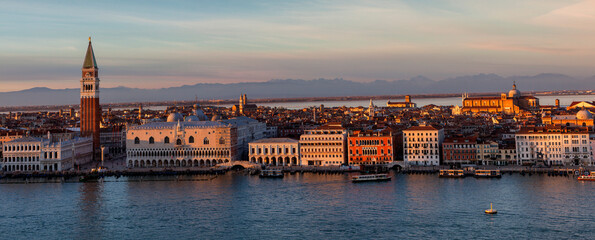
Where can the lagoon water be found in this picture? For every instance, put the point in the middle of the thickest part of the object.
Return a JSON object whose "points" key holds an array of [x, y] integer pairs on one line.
{"points": [[304, 206], [565, 100]]}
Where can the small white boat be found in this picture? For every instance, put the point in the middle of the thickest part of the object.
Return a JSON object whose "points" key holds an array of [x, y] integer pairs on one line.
{"points": [[491, 210], [371, 178]]}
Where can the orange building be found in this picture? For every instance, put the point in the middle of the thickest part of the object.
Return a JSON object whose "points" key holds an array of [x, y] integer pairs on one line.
{"points": [[371, 147], [406, 104], [511, 103], [582, 118]]}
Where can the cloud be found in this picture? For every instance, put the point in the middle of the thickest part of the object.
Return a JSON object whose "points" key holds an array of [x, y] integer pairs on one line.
{"points": [[580, 15], [521, 47], [212, 41]]}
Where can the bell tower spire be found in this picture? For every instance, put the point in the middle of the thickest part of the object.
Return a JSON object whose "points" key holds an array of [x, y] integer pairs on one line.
{"points": [[90, 110]]}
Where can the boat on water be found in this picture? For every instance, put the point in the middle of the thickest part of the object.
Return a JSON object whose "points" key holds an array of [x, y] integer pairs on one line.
{"points": [[491, 210], [371, 178], [93, 175], [487, 173], [590, 177], [271, 174], [451, 173]]}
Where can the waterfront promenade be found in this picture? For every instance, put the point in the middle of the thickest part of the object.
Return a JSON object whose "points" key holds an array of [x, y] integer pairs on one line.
{"points": [[118, 169]]}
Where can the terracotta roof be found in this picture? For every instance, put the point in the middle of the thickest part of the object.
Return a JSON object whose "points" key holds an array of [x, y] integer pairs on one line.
{"points": [[331, 126], [461, 140], [422, 128], [552, 129], [371, 133], [276, 140]]}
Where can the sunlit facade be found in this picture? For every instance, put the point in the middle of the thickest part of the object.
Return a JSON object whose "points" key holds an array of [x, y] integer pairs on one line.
{"points": [[181, 144], [511, 103], [275, 152], [324, 146], [553, 145], [371, 147], [422, 145], [43, 154]]}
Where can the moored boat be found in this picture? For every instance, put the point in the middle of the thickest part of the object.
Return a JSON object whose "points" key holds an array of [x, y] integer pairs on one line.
{"points": [[271, 174], [590, 177], [92, 176], [487, 173], [371, 178], [451, 173]]}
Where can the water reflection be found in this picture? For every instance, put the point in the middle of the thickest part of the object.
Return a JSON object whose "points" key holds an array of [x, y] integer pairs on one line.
{"points": [[90, 215]]}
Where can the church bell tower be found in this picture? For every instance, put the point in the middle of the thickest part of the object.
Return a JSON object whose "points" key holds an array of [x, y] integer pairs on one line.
{"points": [[90, 110]]}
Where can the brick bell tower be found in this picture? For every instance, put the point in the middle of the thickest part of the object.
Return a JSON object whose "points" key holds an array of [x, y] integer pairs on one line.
{"points": [[90, 110]]}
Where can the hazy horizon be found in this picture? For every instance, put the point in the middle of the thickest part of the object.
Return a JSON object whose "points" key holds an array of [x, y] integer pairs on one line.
{"points": [[276, 80], [162, 44]]}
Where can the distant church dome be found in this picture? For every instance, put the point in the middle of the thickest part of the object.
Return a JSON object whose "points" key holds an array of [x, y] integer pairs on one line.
{"points": [[192, 118], [584, 115], [200, 115], [514, 93], [174, 117]]}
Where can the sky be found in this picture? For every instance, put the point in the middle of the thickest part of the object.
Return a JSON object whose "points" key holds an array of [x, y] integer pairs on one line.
{"points": [[155, 44]]}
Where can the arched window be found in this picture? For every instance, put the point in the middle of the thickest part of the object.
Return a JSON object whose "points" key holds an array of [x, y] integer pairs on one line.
{"points": [[136, 140], [151, 140], [205, 141], [179, 142], [221, 140], [191, 139], [166, 140]]}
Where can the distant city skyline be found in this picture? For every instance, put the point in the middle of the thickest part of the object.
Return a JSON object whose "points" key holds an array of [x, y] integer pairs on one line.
{"points": [[148, 44]]}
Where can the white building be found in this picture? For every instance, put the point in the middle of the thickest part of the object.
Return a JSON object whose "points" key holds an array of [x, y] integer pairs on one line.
{"points": [[43, 154], [324, 146], [275, 152], [181, 144], [507, 155], [248, 130], [553, 145], [421, 145], [6, 138], [371, 111], [191, 143], [487, 152]]}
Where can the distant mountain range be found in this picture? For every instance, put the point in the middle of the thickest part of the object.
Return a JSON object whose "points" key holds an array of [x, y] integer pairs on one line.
{"points": [[291, 88]]}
